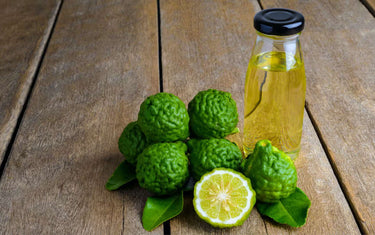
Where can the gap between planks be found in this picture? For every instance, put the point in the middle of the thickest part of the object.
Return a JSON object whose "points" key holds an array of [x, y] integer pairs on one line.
{"points": [[166, 224], [160, 48], [30, 91], [370, 5], [260, 4]]}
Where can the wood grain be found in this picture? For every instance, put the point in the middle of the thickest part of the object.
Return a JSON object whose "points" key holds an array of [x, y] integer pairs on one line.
{"points": [[101, 63], [208, 45], [25, 27], [338, 44]]}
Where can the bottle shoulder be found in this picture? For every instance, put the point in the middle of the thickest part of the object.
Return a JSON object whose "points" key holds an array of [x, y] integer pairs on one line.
{"points": [[278, 61]]}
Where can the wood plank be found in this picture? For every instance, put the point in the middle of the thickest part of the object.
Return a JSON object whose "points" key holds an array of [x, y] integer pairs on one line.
{"points": [[208, 45], [25, 28], [339, 47], [101, 63]]}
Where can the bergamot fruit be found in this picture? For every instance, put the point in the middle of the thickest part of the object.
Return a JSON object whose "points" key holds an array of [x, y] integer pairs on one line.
{"points": [[162, 168], [271, 171], [223, 198], [207, 154], [132, 142], [163, 118], [213, 114]]}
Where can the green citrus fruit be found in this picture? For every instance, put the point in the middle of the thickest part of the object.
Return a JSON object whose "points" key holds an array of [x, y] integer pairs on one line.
{"points": [[163, 118], [208, 154], [224, 198], [162, 168], [132, 142], [213, 114], [271, 171]]}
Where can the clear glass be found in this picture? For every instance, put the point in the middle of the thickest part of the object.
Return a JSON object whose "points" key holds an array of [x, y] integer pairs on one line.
{"points": [[275, 90]]}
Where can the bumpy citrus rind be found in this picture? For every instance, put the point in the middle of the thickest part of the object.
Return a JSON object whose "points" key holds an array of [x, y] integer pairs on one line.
{"points": [[271, 171], [164, 118], [162, 168], [213, 114], [132, 142], [208, 154]]}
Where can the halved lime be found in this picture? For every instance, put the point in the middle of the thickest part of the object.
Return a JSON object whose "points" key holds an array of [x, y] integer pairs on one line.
{"points": [[223, 198]]}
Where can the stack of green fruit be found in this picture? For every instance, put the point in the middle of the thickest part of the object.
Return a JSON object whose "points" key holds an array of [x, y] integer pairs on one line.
{"points": [[155, 143], [169, 144]]}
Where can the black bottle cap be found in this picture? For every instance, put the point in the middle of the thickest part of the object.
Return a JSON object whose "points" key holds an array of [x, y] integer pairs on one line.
{"points": [[279, 21]]}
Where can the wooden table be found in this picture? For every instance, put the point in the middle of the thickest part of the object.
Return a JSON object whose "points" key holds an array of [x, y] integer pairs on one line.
{"points": [[73, 74]]}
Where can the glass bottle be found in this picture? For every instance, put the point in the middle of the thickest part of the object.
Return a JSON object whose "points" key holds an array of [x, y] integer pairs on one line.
{"points": [[275, 82]]}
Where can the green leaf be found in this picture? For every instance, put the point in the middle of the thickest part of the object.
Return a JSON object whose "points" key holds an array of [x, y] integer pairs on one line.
{"points": [[123, 174], [160, 209], [291, 210]]}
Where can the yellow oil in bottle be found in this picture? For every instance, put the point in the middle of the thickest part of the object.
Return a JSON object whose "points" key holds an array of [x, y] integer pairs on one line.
{"points": [[274, 101]]}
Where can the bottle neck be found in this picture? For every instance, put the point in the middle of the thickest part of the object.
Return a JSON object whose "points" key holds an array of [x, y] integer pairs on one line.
{"points": [[278, 38], [272, 43]]}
